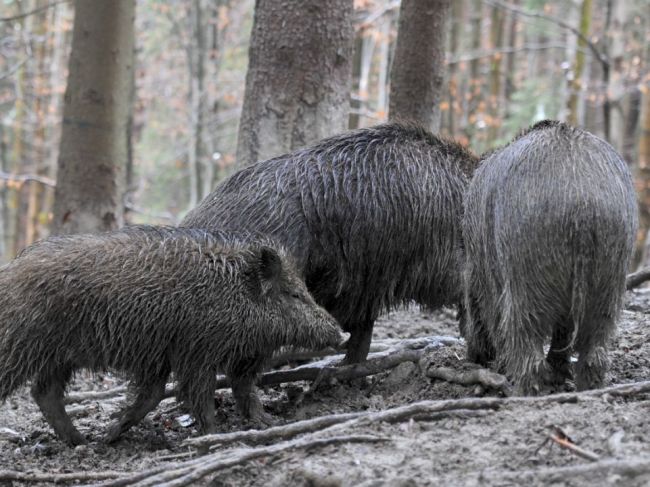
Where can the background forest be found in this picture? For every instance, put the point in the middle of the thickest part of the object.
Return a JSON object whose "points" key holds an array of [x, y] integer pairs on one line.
{"points": [[506, 65]]}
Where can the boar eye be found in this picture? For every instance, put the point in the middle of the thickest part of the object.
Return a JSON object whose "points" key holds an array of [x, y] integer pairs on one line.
{"points": [[296, 295]]}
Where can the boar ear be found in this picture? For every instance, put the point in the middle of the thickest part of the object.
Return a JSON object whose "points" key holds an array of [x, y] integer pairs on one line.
{"points": [[270, 269]]}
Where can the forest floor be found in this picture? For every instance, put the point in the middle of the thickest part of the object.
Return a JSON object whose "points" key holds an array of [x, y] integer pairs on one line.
{"points": [[497, 447]]}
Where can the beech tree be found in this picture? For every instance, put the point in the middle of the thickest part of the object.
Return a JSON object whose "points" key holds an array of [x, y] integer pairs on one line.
{"points": [[418, 72], [94, 140], [299, 75]]}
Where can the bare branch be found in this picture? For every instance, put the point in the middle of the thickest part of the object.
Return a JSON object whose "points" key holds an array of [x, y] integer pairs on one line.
{"points": [[482, 54], [373, 16], [31, 12], [559, 22], [13, 69], [23, 178]]}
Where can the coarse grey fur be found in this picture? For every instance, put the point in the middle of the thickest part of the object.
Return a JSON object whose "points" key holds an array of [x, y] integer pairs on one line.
{"points": [[549, 226], [148, 301], [372, 218]]}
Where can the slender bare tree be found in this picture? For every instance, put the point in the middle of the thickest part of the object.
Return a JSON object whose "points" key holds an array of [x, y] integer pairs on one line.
{"points": [[418, 72], [298, 79], [94, 138]]}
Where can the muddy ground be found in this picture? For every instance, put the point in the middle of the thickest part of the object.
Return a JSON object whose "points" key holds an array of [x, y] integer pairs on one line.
{"points": [[464, 450]]}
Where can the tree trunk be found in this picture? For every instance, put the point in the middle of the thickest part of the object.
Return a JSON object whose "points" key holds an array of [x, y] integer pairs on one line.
{"points": [[16, 218], [197, 58], [61, 18], [4, 214], [418, 72], [298, 79], [511, 58], [475, 88], [576, 82], [495, 105], [613, 113], [643, 177], [93, 152], [384, 55], [35, 219], [454, 47]]}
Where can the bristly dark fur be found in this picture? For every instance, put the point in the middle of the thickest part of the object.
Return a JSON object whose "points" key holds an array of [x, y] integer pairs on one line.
{"points": [[149, 301], [372, 217], [549, 226]]}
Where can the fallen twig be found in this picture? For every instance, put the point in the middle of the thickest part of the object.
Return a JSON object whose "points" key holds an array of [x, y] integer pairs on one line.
{"points": [[189, 472], [561, 438], [483, 377]]}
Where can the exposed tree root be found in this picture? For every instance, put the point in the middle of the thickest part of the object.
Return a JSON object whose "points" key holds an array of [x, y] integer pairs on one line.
{"points": [[274, 433], [602, 468], [483, 377], [94, 395], [57, 478], [402, 413], [189, 472]]}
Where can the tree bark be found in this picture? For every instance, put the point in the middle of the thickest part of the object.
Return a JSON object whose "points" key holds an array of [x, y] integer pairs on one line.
{"points": [[643, 178], [454, 101], [35, 212], [496, 41], [576, 82], [613, 112], [93, 151], [475, 76], [298, 79], [418, 72], [197, 58]]}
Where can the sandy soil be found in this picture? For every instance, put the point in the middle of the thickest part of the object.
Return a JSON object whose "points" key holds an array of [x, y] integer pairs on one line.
{"points": [[470, 450]]}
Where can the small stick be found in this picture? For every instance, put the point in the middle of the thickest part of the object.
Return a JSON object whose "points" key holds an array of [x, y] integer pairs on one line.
{"points": [[562, 439]]}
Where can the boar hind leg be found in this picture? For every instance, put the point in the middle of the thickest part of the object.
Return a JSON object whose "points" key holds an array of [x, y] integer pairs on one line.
{"points": [[559, 355], [359, 343], [480, 349], [48, 391], [521, 353], [148, 396], [591, 345]]}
